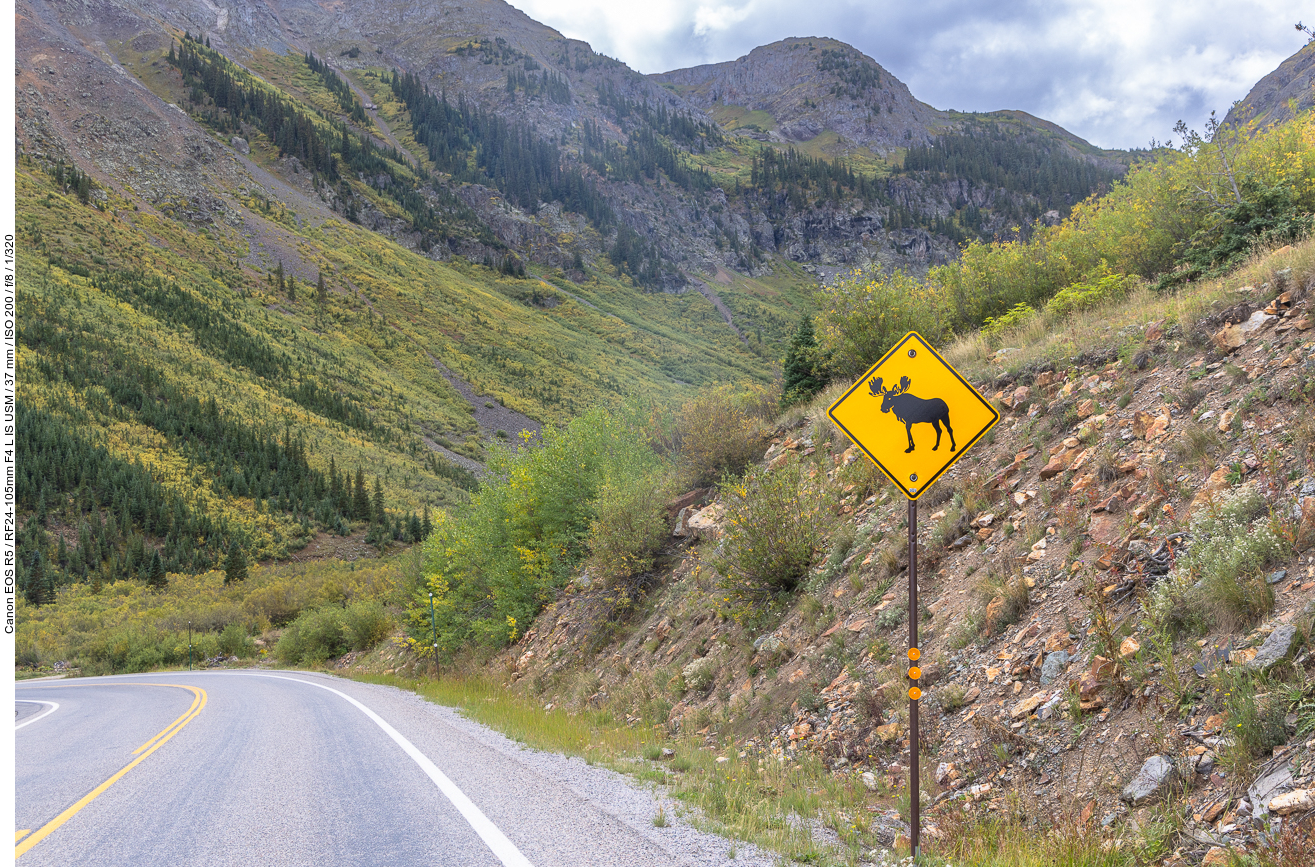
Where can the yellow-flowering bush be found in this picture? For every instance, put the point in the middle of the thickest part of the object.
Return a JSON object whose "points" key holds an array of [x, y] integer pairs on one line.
{"points": [[862, 315], [1200, 205]]}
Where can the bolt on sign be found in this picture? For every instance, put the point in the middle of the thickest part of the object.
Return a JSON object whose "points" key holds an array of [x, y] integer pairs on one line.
{"points": [[913, 414]]}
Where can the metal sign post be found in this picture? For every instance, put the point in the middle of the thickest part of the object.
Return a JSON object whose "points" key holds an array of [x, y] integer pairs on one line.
{"points": [[913, 385], [433, 631], [189, 645], [915, 692]]}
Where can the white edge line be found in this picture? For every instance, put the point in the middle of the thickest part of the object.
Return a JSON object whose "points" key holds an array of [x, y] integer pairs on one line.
{"points": [[503, 848], [51, 708]]}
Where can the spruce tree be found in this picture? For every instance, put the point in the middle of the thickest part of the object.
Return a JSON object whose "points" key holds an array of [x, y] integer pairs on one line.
{"points": [[235, 564], [360, 498], [380, 516], [802, 379], [155, 576]]}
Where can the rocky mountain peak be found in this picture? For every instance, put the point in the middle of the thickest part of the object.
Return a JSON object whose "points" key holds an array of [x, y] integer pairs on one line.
{"points": [[805, 86]]}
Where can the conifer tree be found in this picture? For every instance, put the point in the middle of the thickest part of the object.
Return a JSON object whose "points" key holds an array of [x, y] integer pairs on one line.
{"points": [[802, 378], [380, 516], [155, 576], [235, 564], [360, 498]]}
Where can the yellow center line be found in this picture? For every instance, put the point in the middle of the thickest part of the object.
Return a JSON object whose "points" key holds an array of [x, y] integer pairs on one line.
{"points": [[19, 835], [176, 724], [149, 747]]}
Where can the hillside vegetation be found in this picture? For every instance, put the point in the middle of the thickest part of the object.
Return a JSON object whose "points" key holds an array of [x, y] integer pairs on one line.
{"points": [[769, 635], [519, 381]]}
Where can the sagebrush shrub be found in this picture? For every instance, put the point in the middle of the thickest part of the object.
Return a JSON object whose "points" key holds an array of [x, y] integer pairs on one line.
{"points": [[1220, 574]]}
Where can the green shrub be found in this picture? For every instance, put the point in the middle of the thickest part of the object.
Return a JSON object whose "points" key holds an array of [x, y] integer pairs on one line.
{"points": [[493, 566], [716, 434], [629, 526], [1086, 295], [699, 675], [862, 316], [1220, 576], [1254, 720], [366, 623], [314, 637], [234, 641], [1019, 314], [773, 522]]}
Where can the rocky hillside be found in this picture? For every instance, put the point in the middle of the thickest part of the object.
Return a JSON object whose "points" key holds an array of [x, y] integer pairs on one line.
{"points": [[631, 168], [1116, 601], [1278, 96]]}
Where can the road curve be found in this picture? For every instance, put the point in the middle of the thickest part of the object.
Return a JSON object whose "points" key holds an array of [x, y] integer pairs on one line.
{"points": [[295, 768]]}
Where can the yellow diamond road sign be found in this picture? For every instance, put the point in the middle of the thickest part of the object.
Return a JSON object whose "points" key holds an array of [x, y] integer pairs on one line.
{"points": [[913, 415]]}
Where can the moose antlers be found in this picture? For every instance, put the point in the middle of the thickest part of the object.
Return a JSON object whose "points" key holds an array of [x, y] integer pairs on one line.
{"points": [[874, 386]]}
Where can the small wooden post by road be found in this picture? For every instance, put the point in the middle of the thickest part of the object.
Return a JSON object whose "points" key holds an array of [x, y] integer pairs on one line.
{"points": [[930, 394]]}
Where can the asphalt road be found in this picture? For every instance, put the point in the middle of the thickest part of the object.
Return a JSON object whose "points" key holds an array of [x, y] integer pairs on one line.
{"points": [[293, 768]]}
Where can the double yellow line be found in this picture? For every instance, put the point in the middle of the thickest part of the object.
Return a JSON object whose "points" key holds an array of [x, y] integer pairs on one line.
{"points": [[198, 702]]}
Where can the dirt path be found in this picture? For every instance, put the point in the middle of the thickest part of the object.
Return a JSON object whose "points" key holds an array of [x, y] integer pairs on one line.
{"points": [[384, 129]]}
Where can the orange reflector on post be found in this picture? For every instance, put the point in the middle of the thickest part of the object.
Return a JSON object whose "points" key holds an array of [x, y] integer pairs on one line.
{"points": [[915, 673], [915, 693], [915, 654]]}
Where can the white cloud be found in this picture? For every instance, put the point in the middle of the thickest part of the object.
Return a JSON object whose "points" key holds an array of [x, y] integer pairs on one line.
{"points": [[711, 19], [1117, 72]]}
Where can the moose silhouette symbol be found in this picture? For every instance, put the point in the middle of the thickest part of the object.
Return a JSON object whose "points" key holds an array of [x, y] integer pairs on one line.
{"points": [[913, 410]]}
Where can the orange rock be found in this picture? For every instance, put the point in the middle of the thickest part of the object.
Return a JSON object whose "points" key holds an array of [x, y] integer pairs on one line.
{"points": [[1141, 422], [1029, 704], [1057, 641], [1229, 338], [1216, 484], [1105, 529]]}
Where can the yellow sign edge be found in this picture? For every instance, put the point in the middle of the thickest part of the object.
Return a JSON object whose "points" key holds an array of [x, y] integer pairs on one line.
{"points": [[995, 416]]}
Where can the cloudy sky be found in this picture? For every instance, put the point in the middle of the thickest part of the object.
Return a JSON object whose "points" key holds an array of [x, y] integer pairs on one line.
{"points": [[1116, 72]]}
